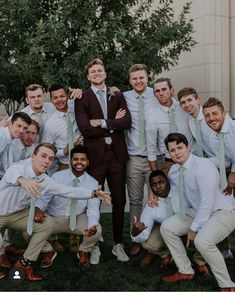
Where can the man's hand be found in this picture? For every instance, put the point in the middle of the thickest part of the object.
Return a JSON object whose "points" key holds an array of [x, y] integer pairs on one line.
{"points": [[39, 216], [95, 123], [153, 200], [113, 90], [190, 238], [88, 232], [231, 179], [103, 196], [78, 142], [137, 227], [32, 187], [4, 122], [120, 114], [75, 93], [228, 190]]}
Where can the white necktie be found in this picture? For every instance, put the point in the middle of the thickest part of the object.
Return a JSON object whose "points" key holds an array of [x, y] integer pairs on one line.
{"points": [[73, 208], [69, 132], [198, 138], [181, 193], [141, 124], [169, 208]]}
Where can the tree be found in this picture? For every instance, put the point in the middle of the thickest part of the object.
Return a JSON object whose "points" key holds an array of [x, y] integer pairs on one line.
{"points": [[46, 40]]}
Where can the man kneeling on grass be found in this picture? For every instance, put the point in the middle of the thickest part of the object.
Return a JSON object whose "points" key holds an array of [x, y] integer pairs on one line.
{"points": [[147, 231], [26, 179]]}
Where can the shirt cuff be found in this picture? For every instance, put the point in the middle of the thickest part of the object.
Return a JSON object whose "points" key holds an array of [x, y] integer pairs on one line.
{"points": [[103, 124]]}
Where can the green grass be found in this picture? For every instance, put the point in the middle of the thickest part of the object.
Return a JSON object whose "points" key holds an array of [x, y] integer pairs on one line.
{"points": [[109, 275]]}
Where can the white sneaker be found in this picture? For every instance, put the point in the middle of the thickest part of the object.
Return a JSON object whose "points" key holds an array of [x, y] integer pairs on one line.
{"points": [[95, 255], [119, 252]]}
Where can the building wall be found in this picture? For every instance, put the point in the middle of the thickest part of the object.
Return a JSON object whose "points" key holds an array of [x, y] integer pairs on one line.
{"points": [[210, 66]]}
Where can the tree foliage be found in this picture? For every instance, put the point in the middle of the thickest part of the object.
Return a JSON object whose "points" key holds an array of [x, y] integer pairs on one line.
{"points": [[46, 40]]}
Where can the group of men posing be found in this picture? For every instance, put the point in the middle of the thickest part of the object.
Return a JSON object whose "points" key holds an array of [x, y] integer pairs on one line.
{"points": [[183, 151]]}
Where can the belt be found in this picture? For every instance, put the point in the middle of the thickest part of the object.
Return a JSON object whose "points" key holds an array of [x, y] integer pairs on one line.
{"points": [[168, 160], [142, 156]]}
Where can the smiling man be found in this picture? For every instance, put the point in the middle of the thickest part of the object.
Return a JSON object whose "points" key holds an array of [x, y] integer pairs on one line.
{"points": [[222, 139], [27, 179], [208, 219], [86, 211], [102, 118]]}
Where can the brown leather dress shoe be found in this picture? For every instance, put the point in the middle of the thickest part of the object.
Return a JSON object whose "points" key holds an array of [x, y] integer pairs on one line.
{"points": [[28, 270], [12, 249], [74, 243], [56, 245], [230, 289], [2, 275], [166, 261], [83, 258], [135, 249], [178, 277], [4, 262], [147, 260], [48, 258]]}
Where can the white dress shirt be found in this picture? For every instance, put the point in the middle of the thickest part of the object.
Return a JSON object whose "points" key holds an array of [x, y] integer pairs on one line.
{"points": [[60, 207], [132, 134], [206, 131], [201, 189], [6, 157], [14, 198], [17, 148], [228, 129], [158, 214], [158, 127], [47, 110], [56, 132]]}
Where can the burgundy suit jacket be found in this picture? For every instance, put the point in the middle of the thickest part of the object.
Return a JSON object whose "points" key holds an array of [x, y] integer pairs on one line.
{"points": [[87, 108]]}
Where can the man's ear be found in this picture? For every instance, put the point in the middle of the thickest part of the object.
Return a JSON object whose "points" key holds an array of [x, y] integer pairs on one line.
{"points": [[27, 101], [189, 147]]}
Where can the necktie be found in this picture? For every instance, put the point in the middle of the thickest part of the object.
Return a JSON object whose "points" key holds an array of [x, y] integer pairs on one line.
{"points": [[223, 179], [31, 216], [141, 124], [69, 132], [7, 159], [171, 115], [198, 138], [181, 194], [73, 208], [23, 153], [41, 124], [169, 208], [103, 104]]}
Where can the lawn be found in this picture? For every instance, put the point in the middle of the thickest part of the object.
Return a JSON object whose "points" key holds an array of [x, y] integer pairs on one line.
{"points": [[109, 275]]}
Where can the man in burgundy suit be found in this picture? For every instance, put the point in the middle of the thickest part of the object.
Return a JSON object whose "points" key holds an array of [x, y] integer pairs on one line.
{"points": [[102, 118]]}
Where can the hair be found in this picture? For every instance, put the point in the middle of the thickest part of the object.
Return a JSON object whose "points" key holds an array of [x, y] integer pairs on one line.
{"points": [[175, 137], [79, 149], [157, 173], [56, 86], [187, 91], [212, 101], [93, 62], [47, 145], [23, 116], [36, 124], [167, 80], [32, 87], [137, 67]]}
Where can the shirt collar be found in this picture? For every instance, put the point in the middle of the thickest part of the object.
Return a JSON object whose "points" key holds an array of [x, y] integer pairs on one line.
{"points": [[95, 89], [225, 127], [81, 178], [44, 109], [166, 109], [200, 115], [188, 162], [8, 135]]}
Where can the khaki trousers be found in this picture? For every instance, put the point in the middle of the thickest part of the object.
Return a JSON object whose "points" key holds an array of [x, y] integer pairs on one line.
{"points": [[137, 174], [155, 243], [61, 225], [218, 227], [41, 231]]}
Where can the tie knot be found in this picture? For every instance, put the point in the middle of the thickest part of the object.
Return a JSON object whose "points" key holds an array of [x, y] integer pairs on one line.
{"points": [[76, 180]]}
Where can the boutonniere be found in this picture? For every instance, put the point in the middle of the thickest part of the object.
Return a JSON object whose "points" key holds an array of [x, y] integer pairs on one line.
{"points": [[110, 94]]}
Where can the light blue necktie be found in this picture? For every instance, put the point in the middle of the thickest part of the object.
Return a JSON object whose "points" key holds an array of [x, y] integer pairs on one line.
{"points": [[69, 132], [31, 216], [171, 115], [169, 208], [198, 138], [73, 208], [141, 124], [23, 153], [181, 193], [41, 124], [223, 179]]}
